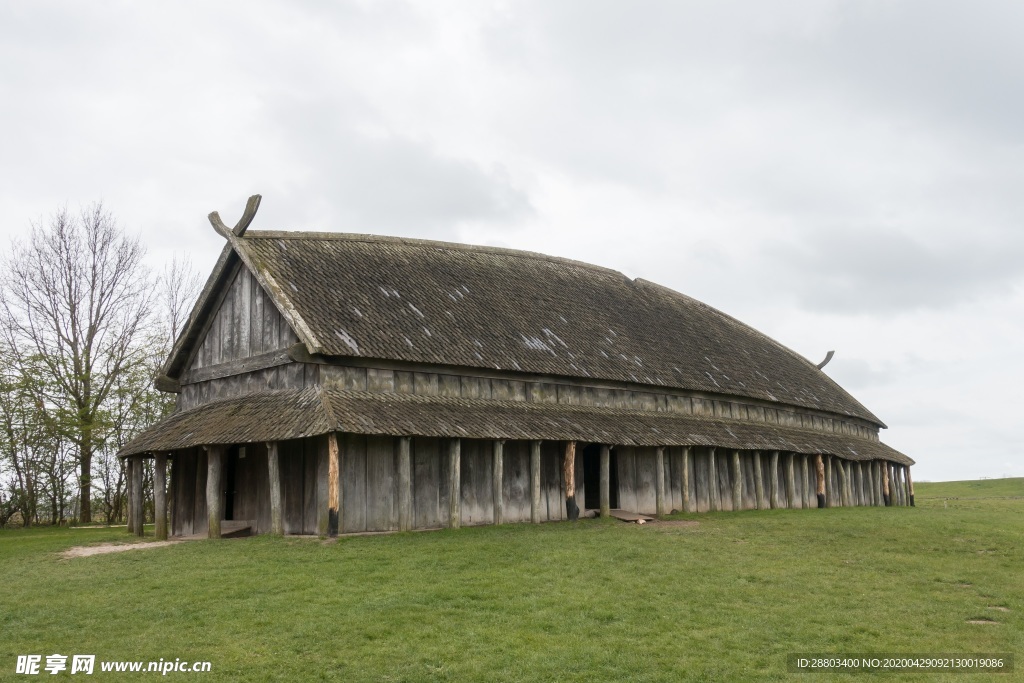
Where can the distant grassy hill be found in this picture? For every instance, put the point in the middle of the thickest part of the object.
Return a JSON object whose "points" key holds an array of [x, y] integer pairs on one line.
{"points": [[979, 488]]}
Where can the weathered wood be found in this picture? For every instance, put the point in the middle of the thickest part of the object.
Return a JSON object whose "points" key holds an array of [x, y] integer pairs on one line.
{"points": [[572, 510], [606, 468], [333, 485], [136, 498], [886, 493], [381, 483], [844, 482], [713, 503], [819, 471], [454, 483], [535, 504], [497, 481], [737, 482], [322, 483], [274, 486], [428, 480], [805, 468], [759, 482], [685, 484], [774, 469], [910, 487], [237, 366], [214, 465], [795, 501], [829, 493], [659, 491], [160, 495], [405, 518]]}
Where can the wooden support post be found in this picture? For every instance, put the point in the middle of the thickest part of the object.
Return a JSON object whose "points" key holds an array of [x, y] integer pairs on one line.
{"points": [[127, 465], [687, 505], [819, 472], [659, 469], [454, 484], [737, 482], [535, 516], [138, 499], [900, 484], [869, 482], [214, 465], [333, 485], [713, 489], [606, 470], [795, 501], [160, 496], [497, 478], [910, 487], [759, 482], [886, 494], [274, 484], [879, 494], [774, 469], [572, 510], [405, 483]]}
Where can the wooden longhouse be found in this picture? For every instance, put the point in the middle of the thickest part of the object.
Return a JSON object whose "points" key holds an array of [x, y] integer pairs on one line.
{"points": [[344, 383]]}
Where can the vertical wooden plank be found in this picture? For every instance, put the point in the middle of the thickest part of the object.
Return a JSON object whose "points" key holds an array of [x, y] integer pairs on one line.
{"points": [[535, 506], [311, 488], [713, 502], [243, 312], [722, 469], [685, 483], [516, 482], [646, 480], [759, 482], [321, 451], [454, 484], [405, 513], [353, 484], [773, 480], [910, 486], [427, 483], [160, 495], [796, 500], [381, 501], [551, 480], [215, 457], [605, 480], [749, 490], [807, 487], [625, 459], [829, 498], [737, 482], [274, 487], [819, 470], [659, 469], [497, 481]]}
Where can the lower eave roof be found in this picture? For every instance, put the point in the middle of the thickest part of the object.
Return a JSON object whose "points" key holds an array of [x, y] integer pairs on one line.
{"points": [[283, 415]]}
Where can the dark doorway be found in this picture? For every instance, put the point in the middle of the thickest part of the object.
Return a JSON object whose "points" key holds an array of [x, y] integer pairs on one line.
{"points": [[592, 478]]}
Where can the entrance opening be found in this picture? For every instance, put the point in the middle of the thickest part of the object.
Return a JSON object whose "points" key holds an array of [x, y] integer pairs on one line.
{"points": [[592, 478]]}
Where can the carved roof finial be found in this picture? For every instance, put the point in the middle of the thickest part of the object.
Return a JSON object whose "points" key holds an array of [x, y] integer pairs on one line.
{"points": [[251, 207]]}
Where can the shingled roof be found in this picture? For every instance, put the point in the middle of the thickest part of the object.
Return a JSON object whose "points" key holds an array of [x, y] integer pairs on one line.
{"points": [[278, 415], [478, 307]]}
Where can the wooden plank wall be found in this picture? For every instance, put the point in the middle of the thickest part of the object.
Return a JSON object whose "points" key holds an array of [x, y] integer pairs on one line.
{"points": [[246, 323], [288, 376], [476, 387]]}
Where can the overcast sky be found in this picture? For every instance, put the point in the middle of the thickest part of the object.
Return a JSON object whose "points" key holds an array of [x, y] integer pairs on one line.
{"points": [[839, 175]]}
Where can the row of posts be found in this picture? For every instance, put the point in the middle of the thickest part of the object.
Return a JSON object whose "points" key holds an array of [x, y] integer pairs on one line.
{"points": [[874, 482]]}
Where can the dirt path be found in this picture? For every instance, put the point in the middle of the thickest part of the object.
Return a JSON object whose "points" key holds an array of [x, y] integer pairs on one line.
{"points": [[88, 550]]}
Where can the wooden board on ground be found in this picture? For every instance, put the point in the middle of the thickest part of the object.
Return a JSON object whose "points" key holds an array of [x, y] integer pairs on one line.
{"points": [[628, 516]]}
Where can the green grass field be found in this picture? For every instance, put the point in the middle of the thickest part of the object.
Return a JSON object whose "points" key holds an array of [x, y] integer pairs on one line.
{"points": [[594, 600]]}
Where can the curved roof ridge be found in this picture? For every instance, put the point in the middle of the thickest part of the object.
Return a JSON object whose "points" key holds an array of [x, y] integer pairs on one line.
{"points": [[419, 242]]}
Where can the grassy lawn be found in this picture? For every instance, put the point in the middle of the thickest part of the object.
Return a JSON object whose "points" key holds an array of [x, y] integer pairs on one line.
{"points": [[595, 600]]}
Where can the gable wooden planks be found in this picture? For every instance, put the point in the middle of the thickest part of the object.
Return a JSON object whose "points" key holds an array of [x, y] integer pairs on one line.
{"points": [[246, 323]]}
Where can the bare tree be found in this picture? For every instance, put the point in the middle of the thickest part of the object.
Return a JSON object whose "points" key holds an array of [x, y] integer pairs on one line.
{"points": [[77, 298]]}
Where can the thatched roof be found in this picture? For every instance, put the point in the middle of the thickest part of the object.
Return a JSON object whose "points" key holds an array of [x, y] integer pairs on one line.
{"points": [[488, 308], [280, 415]]}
